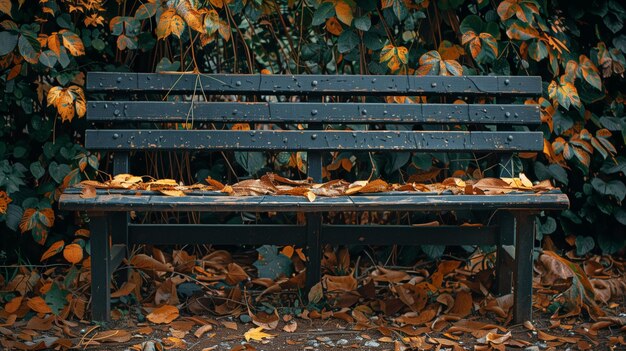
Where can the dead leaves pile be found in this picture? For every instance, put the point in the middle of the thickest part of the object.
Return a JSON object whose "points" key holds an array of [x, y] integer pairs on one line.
{"points": [[273, 184], [425, 307]]}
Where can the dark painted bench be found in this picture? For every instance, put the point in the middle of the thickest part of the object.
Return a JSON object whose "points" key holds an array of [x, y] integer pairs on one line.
{"points": [[515, 211]]}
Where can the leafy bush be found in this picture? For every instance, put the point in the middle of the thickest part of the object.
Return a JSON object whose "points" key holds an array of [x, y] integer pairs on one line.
{"points": [[577, 48]]}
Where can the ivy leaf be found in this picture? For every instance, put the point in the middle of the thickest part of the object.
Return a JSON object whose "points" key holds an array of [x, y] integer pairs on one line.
{"points": [[519, 31], [8, 41], [72, 43], [347, 41], [146, 10], [537, 50], [170, 23], [5, 6], [613, 188], [398, 7], [564, 93], [39, 221], [584, 244], [48, 58], [524, 10], [589, 72], [363, 23], [29, 47], [324, 11], [394, 56], [432, 63]]}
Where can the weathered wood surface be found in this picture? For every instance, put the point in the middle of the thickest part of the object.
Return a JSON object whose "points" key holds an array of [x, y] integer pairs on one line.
{"points": [[292, 140], [259, 84], [285, 234], [311, 112], [284, 203]]}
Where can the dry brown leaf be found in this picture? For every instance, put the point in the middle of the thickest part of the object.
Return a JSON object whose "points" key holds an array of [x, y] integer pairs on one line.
{"points": [[38, 305], [147, 263], [229, 325], [163, 315], [124, 290], [202, 330], [88, 192], [290, 327]]}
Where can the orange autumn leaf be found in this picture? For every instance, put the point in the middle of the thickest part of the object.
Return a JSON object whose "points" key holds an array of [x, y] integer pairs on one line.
{"points": [[13, 305], [5, 200], [38, 305], [73, 253], [333, 26], [163, 315], [53, 250]]}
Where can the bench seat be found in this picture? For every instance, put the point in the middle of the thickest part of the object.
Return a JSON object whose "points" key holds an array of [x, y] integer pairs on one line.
{"points": [[133, 200]]}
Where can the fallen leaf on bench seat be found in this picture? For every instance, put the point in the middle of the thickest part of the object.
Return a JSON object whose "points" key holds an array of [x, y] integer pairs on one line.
{"points": [[172, 192], [88, 192]]}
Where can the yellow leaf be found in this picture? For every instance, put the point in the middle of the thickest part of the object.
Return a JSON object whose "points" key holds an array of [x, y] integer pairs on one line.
{"points": [[72, 43], [53, 95], [257, 334], [163, 315]]}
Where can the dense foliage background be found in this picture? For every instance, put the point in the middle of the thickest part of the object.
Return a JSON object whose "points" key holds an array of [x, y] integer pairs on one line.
{"points": [[577, 47]]}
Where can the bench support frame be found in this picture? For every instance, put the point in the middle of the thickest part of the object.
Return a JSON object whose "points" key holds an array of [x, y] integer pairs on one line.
{"points": [[512, 269]]}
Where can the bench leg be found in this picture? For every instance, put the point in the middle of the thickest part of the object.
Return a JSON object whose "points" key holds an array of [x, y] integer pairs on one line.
{"points": [[504, 271], [119, 237], [100, 267], [120, 220], [314, 249], [523, 272]]}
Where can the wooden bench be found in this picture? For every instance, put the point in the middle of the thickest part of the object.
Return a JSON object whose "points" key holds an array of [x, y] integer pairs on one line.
{"points": [[126, 103]]}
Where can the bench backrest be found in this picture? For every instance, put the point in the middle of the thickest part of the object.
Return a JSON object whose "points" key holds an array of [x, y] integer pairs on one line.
{"points": [[314, 111]]}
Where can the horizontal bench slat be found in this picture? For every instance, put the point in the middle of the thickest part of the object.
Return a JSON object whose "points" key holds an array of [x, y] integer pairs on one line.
{"points": [[311, 84], [259, 112], [284, 234], [277, 203], [290, 140]]}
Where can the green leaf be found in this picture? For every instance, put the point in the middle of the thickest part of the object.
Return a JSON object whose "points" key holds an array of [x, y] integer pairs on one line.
{"points": [[29, 47], [584, 244], [14, 216], [48, 58], [537, 50], [252, 162], [613, 188], [58, 171], [37, 170], [472, 23], [363, 23], [610, 243], [348, 40], [146, 10], [325, 11], [272, 264], [433, 251], [396, 161], [55, 298], [8, 41]]}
